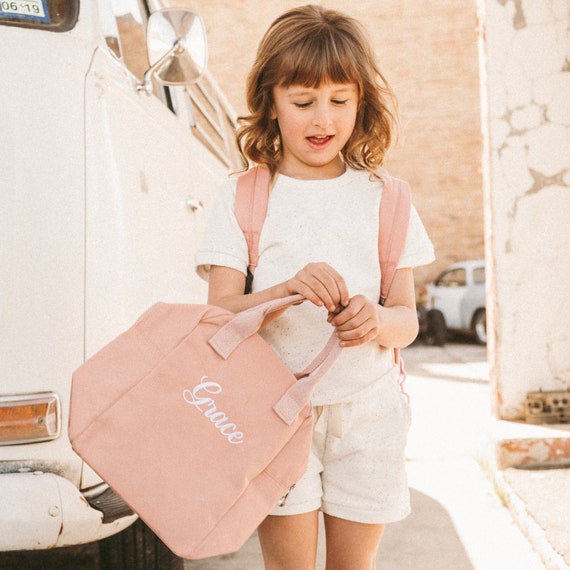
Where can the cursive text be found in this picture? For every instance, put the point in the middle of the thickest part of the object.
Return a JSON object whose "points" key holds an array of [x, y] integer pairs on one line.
{"points": [[200, 398]]}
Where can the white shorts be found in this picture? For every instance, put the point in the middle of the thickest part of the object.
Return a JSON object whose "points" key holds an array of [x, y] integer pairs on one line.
{"points": [[357, 466]]}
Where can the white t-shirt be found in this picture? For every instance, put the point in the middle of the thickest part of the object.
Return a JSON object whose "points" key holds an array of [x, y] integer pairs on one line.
{"points": [[335, 221]]}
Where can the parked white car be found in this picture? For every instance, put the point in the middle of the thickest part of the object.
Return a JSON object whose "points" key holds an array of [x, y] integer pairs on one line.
{"points": [[455, 302], [114, 140]]}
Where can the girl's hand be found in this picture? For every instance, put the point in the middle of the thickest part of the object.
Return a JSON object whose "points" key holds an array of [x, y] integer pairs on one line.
{"points": [[358, 323], [320, 284], [393, 325]]}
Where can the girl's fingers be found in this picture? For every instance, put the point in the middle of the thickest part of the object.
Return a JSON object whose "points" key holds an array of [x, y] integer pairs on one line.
{"points": [[347, 343], [357, 323], [322, 285], [356, 311]]}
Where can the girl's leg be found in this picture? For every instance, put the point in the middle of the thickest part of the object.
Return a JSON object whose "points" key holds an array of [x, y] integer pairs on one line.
{"points": [[351, 545], [289, 542]]}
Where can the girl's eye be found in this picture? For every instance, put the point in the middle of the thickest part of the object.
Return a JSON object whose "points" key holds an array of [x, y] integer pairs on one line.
{"points": [[307, 104]]}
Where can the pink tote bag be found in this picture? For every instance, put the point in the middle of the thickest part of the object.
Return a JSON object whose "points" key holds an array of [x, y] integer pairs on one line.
{"points": [[196, 422]]}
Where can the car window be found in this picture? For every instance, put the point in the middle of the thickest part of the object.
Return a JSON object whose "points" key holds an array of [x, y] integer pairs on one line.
{"points": [[109, 26], [479, 276], [452, 278], [126, 36], [51, 15]]}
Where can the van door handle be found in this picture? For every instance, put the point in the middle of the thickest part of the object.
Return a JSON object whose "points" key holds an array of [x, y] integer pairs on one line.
{"points": [[194, 204]]}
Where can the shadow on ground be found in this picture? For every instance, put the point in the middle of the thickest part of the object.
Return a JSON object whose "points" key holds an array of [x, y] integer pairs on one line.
{"points": [[425, 540]]}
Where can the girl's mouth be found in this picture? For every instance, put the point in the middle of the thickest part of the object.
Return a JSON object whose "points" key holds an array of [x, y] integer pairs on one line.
{"points": [[319, 141]]}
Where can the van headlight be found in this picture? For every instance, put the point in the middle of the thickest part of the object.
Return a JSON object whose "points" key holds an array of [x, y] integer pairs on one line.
{"points": [[29, 418]]}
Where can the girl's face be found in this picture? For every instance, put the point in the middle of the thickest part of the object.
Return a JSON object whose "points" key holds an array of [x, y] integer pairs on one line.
{"points": [[315, 124]]}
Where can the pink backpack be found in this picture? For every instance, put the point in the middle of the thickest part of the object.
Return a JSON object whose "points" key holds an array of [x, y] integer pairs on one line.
{"points": [[252, 196]]}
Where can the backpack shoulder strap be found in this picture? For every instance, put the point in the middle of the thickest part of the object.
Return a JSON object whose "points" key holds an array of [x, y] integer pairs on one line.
{"points": [[252, 195], [393, 227]]}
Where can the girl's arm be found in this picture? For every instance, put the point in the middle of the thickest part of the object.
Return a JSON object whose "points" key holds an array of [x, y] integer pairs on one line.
{"points": [[393, 325], [318, 282], [226, 289]]}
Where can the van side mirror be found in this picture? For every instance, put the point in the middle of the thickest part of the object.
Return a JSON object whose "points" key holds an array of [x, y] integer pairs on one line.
{"points": [[177, 48]]}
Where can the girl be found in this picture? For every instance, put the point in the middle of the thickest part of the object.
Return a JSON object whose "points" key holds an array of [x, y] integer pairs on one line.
{"points": [[320, 120]]}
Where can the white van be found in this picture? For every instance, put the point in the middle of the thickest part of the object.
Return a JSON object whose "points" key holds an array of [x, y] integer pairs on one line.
{"points": [[113, 139]]}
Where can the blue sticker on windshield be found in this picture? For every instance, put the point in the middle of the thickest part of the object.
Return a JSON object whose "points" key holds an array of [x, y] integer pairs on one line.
{"points": [[35, 10]]}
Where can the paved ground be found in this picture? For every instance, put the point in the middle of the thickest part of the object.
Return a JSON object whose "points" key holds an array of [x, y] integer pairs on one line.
{"points": [[458, 520]]}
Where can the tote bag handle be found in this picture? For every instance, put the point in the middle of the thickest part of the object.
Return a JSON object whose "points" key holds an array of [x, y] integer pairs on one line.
{"points": [[247, 323]]}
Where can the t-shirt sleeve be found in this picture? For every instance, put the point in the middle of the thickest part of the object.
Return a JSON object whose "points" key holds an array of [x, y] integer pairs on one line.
{"points": [[419, 248], [223, 242]]}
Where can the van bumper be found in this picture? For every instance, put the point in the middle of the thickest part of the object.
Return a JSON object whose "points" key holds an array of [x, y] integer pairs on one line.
{"points": [[42, 510]]}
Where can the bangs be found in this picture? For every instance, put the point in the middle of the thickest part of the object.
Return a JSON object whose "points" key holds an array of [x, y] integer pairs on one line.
{"points": [[316, 61]]}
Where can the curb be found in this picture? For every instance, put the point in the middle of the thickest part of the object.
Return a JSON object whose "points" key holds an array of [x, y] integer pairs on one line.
{"points": [[528, 525], [530, 448]]}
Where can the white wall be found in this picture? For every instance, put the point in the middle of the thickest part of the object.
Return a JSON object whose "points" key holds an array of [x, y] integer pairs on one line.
{"points": [[526, 122]]}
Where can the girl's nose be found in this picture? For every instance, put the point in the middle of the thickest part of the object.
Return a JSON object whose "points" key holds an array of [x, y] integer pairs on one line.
{"points": [[322, 117]]}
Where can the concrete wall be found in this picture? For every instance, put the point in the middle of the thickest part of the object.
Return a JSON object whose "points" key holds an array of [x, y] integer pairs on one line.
{"points": [[526, 84]]}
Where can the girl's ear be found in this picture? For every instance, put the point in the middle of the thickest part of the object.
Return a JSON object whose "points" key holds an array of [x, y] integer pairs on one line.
{"points": [[272, 112]]}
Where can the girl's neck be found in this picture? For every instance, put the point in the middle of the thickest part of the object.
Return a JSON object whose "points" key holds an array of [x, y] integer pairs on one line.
{"points": [[317, 170], [331, 171]]}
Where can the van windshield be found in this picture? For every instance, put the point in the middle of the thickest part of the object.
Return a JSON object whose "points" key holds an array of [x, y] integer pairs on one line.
{"points": [[52, 15]]}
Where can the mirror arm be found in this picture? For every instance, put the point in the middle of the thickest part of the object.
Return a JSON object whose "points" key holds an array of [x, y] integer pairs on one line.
{"points": [[146, 85]]}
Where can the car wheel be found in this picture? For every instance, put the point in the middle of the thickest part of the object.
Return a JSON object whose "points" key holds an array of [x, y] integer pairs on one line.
{"points": [[435, 333], [479, 326], [137, 548]]}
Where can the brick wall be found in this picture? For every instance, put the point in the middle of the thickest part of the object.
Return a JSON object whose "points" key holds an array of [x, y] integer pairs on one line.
{"points": [[428, 52]]}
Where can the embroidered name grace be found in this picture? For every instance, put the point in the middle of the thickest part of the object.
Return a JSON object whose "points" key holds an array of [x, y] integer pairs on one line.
{"points": [[207, 406]]}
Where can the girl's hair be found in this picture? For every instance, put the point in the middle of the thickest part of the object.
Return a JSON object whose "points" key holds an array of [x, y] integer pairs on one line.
{"points": [[312, 46]]}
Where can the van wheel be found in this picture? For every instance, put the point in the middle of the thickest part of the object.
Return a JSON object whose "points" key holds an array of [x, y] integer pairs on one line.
{"points": [[479, 326], [137, 548], [436, 331]]}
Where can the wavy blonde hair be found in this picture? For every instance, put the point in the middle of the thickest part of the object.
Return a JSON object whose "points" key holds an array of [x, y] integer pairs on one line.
{"points": [[312, 46]]}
